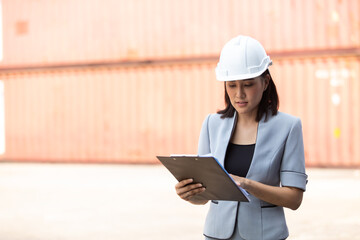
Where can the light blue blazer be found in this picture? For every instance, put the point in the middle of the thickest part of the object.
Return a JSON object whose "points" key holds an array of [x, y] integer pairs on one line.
{"points": [[278, 160]]}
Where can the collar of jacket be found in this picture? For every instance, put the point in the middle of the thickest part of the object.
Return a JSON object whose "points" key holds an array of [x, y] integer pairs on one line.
{"points": [[261, 139]]}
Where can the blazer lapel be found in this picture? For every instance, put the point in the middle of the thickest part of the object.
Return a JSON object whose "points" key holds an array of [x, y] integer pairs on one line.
{"points": [[228, 131], [256, 170]]}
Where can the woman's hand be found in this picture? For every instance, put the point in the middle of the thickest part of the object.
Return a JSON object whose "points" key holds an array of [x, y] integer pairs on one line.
{"points": [[240, 181], [289, 197], [187, 190]]}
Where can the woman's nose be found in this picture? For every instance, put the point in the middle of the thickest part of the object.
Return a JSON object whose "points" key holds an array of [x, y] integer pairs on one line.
{"points": [[240, 92]]}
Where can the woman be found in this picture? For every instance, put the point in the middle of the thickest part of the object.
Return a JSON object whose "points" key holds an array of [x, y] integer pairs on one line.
{"points": [[260, 147]]}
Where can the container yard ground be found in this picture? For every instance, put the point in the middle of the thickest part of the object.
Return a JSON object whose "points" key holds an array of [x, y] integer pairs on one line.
{"points": [[108, 202]]}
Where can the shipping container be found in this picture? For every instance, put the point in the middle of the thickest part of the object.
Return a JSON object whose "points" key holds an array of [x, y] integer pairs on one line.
{"points": [[106, 114], [123, 81], [324, 92], [65, 32], [131, 114]]}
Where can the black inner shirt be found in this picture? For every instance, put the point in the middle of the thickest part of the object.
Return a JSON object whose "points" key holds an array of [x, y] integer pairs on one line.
{"points": [[238, 159]]}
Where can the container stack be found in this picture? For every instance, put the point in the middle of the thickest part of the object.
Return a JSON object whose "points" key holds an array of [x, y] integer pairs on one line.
{"points": [[118, 81]]}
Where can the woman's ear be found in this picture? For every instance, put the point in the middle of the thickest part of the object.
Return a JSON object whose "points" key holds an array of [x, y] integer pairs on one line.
{"points": [[266, 81]]}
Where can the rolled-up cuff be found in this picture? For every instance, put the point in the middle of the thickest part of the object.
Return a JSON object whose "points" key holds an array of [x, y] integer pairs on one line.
{"points": [[293, 179]]}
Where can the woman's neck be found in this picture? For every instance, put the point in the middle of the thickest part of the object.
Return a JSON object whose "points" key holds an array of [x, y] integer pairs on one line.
{"points": [[246, 120], [245, 130]]}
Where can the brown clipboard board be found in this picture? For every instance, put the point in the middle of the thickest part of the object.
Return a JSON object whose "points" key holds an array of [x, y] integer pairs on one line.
{"points": [[208, 171]]}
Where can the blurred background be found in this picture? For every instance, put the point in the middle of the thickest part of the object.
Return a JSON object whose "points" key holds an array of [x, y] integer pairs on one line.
{"points": [[121, 81]]}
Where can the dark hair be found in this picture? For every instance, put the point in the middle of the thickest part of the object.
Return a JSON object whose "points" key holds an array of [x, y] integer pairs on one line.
{"points": [[268, 103]]}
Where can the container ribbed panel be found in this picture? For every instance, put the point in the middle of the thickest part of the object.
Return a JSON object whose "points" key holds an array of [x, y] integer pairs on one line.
{"points": [[63, 31]]}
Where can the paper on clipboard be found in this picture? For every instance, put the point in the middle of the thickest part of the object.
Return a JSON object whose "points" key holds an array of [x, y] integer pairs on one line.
{"points": [[208, 171]]}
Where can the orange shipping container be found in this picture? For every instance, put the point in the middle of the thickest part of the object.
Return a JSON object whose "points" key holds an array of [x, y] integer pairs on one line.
{"points": [[106, 114], [130, 114], [46, 32], [324, 92]]}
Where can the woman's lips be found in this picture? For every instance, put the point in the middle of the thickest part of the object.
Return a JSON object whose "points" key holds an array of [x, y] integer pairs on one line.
{"points": [[241, 104]]}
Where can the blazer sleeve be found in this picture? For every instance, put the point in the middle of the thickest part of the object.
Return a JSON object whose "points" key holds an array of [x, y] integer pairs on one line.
{"points": [[292, 173], [204, 139]]}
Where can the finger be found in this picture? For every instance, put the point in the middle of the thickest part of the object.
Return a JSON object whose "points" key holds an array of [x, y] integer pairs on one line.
{"points": [[188, 188], [183, 183], [236, 179], [188, 195]]}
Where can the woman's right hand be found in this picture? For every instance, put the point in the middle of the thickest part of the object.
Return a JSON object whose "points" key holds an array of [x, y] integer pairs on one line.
{"points": [[187, 190]]}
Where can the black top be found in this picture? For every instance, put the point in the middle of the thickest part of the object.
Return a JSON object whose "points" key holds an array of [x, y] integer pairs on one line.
{"points": [[238, 159]]}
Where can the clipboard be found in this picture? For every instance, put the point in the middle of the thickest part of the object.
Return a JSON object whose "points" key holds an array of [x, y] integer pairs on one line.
{"points": [[208, 171]]}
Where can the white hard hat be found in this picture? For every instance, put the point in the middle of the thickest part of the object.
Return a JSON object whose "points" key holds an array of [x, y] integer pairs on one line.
{"points": [[242, 58]]}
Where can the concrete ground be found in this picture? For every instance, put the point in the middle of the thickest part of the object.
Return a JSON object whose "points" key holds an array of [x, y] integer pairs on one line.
{"points": [[108, 202]]}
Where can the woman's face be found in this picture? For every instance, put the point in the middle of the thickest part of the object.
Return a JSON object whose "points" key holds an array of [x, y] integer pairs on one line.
{"points": [[245, 95]]}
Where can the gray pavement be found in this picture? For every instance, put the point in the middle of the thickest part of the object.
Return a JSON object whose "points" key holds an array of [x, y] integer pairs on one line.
{"points": [[108, 202]]}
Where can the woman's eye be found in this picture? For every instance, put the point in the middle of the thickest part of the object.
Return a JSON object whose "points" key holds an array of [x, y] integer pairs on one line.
{"points": [[248, 85], [232, 85]]}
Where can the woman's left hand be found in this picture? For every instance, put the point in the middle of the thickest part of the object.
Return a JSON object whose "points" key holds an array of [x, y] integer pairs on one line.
{"points": [[240, 181], [289, 197]]}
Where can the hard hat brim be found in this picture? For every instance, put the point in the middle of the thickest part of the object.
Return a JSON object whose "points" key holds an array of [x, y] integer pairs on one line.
{"points": [[220, 76]]}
